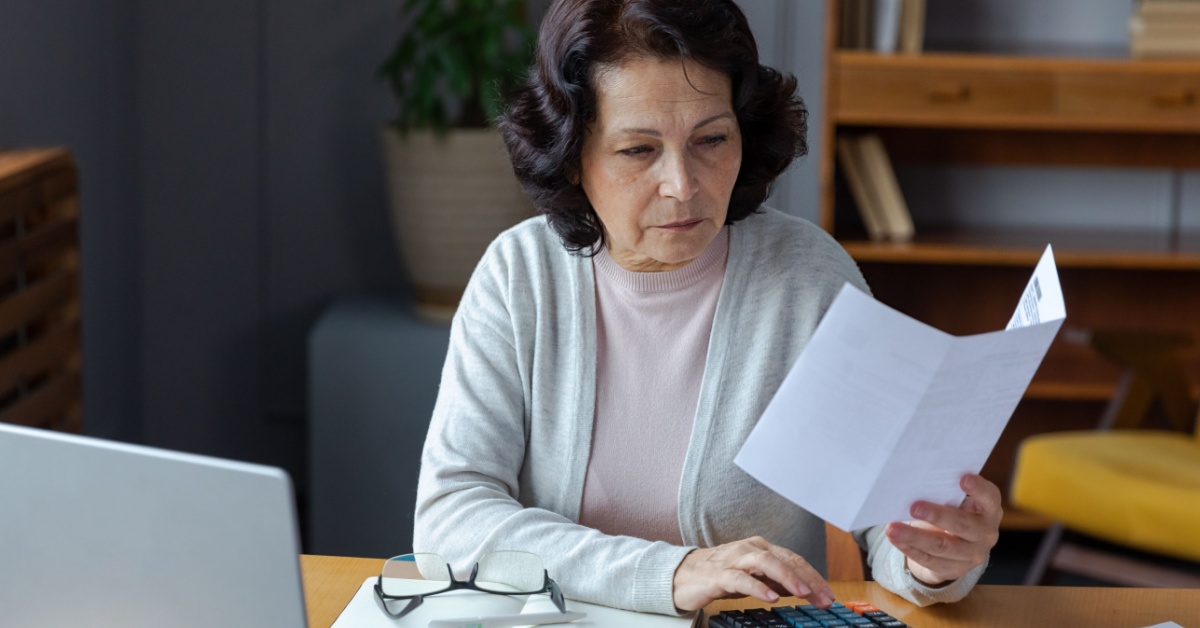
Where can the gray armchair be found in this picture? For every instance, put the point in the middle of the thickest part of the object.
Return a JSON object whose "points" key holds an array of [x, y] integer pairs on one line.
{"points": [[374, 370]]}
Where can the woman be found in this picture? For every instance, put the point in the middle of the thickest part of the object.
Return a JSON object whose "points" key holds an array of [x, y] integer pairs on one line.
{"points": [[610, 357]]}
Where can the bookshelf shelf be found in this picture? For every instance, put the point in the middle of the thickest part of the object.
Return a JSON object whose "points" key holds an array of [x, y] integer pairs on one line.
{"points": [[983, 91], [1073, 248], [986, 108]]}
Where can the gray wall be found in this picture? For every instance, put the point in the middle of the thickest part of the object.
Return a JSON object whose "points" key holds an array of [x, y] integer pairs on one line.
{"points": [[67, 78], [261, 198], [790, 38], [230, 187]]}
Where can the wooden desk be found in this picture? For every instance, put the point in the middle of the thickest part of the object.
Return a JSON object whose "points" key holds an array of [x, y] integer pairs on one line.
{"points": [[330, 582]]}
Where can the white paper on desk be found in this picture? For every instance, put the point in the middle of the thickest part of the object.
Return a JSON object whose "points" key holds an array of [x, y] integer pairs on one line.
{"points": [[363, 611], [881, 410]]}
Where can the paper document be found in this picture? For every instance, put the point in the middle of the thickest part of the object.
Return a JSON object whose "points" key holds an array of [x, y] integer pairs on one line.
{"points": [[881, 410], [363, 611]]}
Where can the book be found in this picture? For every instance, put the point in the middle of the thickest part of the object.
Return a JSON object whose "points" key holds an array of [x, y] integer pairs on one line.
{"points": [[865, 196], [886, 28], [1159, 39], [847, 19], [864, 17], [1169, 8], [897, 220], [1165, 28], [912, 26], [1152, 29], [363, 611]]}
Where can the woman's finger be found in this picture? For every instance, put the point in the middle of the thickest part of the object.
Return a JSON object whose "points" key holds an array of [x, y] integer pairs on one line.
{"points": [[741, 583], [976, 520], [981, 489], [793, 573], [812, 579], [942, 569], [942, 554], [930, 540], [951, 519], [750, 567], [983, 498], [958, 521]]}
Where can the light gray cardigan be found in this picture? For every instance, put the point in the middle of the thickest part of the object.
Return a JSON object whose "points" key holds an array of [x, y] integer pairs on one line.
{"points": [[507, 449]]}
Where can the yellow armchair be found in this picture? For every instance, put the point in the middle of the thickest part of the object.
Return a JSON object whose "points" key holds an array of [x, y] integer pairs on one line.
{"points": [[1137, 488]]}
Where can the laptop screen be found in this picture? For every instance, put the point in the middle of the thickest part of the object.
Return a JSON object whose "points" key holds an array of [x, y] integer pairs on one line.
{"points": [[99, 533]]}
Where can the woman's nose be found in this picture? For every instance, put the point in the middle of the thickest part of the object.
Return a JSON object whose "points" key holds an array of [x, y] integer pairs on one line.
{"points": [[678, 178]]}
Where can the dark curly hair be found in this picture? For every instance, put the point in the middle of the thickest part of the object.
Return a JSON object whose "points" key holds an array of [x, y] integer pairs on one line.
{"points": [[548, 117]]}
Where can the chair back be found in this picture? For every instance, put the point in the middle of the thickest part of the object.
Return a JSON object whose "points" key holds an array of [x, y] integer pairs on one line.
{"points": [[843, 557], [1153, 374]]}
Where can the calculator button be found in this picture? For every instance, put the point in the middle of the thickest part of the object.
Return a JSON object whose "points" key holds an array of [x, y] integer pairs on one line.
{"points": [[723, 620], [893, 623], [733, 619]]}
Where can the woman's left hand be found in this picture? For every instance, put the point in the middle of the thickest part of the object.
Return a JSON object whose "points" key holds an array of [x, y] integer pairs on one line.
{"points": [[944, 542]]}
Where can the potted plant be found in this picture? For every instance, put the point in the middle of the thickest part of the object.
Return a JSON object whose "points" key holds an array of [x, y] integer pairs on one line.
{"points": [[450, 182]]}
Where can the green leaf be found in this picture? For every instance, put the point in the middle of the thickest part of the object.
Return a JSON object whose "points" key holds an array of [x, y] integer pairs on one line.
{"points": [[456, 55]]}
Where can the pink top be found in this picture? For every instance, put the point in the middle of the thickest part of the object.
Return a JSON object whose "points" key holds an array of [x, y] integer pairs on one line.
{"points": [[652, 332]]}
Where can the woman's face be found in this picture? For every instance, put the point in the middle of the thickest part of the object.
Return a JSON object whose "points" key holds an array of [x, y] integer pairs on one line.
{"points": [[660, 161]]}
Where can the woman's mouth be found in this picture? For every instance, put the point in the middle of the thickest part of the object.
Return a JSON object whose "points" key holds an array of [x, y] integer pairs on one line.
{"points": [[682, 225]]}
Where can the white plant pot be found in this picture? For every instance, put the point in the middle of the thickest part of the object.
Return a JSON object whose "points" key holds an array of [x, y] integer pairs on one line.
{"points": [[451, 195]]}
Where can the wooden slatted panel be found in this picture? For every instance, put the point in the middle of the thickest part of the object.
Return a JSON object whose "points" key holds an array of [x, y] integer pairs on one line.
{"points": [[47, 406], [55, 238], [40, 357], [27, 305]]}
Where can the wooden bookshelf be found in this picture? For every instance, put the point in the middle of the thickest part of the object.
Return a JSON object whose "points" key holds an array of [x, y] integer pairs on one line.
{"points": [[40, 359], [986, 109]]}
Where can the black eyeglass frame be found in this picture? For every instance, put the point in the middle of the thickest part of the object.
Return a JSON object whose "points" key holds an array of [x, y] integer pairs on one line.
{"points": [[548, 586]]}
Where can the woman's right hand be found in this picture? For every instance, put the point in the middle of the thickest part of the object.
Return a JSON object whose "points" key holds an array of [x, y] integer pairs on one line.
{"points": [[751, 567]]}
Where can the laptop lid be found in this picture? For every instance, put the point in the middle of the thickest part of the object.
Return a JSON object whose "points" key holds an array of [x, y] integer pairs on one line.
{"points": [[99, 533]]}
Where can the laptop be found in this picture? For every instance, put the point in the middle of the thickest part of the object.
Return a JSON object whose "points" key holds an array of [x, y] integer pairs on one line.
{"points": [[99, 533]]}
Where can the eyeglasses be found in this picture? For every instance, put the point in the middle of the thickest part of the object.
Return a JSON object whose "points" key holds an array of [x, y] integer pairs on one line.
{"points": [[501, 573]]}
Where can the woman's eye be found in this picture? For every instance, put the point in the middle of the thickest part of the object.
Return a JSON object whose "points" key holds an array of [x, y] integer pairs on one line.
{"points": [[714, 140], [635, 151]]}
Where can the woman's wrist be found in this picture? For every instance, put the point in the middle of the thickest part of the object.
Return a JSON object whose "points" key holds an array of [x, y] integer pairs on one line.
{"points": [[908, 570]]}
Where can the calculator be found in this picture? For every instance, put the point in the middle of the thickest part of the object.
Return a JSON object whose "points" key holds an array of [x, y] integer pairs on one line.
{"points": [[807, 616]]}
